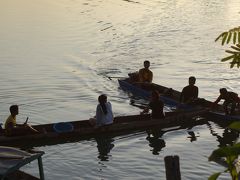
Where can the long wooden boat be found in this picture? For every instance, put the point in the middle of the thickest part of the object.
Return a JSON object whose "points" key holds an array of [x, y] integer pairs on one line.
{"points": [[171, 98], [84, 130]]}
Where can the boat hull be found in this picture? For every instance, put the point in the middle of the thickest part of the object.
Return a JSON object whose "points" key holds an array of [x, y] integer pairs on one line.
{"points": [[83, 129]]}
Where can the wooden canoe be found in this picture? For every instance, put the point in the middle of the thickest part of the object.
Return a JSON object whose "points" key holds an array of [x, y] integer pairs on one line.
{"points": [[171, 98], [83, 130]]}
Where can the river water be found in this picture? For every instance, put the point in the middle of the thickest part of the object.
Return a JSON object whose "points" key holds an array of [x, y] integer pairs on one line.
{"points": [[55, 57]]}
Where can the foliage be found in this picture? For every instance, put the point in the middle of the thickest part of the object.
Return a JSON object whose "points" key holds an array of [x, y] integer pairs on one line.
{"points": [[235, 125], [233, 36], [229, 154]]}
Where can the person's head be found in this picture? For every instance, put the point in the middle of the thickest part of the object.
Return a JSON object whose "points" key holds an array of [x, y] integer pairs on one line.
{"points": [[191, 80], [223, 91], [14, 110], [146, 64], [102, 99], [155, 95]]}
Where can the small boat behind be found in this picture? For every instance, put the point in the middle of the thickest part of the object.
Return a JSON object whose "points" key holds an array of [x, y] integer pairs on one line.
{"points": [[171, 97], [12, 159]]}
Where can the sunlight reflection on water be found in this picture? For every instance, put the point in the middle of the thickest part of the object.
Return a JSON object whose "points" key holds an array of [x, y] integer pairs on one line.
{"points": [[55, 57]]}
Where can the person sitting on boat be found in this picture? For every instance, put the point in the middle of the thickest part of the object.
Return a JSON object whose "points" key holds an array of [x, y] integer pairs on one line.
{"points": [[189, 93], [104, 114], [231, 98], [156, 105], [145, 74], [11, 126]]}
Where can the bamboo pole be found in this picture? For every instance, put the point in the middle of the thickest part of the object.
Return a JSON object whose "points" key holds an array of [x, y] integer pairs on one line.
{"points": [[40, 166]]}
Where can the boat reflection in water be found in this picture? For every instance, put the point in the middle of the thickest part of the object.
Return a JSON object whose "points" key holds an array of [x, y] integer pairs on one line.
{"points": [[192, 136], [104, 145], [155, 141], [228, 137]]}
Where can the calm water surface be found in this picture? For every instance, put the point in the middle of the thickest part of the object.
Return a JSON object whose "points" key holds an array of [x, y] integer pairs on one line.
{"points": [[55, 56]]}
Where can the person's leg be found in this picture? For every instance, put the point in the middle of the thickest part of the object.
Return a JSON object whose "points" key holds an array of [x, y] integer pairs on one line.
{"points": [[92, 121], [233, 107], [225, 107], [30, 128]]}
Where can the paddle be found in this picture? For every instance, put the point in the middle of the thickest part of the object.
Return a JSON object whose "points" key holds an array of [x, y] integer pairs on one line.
{"points": [[111, 77], [26, 121], [132, 102], [29, 126]]}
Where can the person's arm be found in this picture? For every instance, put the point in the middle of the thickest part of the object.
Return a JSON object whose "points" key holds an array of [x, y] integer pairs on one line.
{"points": [[235, 97], [98, 116], [216, 102], [181, 96], [196, 95], [110, 107], [145, 111], [140, 74], [151, 77], [218, 99], [10, 125]]}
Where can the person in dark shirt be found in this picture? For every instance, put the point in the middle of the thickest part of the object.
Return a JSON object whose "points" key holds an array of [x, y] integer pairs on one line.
{"points": [[156, 105], [189, 93], [230, 98]]}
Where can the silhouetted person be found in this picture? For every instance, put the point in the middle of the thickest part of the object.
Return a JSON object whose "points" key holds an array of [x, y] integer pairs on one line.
{"points": [[155, 141], [189, 93], [230, 98], [145, 75], [104, 145], [156, 105]]}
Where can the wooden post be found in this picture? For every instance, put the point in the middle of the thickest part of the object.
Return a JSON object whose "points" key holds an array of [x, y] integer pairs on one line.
{"points": [[172, 168], [40, 166]]}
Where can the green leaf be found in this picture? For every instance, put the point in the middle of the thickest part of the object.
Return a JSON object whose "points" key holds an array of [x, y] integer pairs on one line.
{"points": [[234, 61], [234, 37], [224, 38], [235, 125], [231, 152], [234, 174], [231, 52], [235, 48], [221, 35], [239, 37], [229, 37], [214, 176], [227, 58]]}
